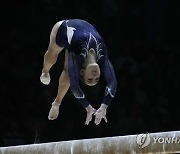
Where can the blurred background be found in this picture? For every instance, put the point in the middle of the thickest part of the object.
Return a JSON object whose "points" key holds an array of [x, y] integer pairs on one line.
{"points": [[142, 39]]}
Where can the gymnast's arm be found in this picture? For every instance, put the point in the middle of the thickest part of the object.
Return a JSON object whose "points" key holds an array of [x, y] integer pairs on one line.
{"points": [[109, 75], [74, 75]]}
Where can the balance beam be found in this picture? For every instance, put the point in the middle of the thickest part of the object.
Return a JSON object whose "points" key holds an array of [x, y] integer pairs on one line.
{"points": [[162, 142]]}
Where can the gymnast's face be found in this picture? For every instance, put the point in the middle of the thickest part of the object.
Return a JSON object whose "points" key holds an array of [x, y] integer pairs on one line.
{"points": [[91, 74]]}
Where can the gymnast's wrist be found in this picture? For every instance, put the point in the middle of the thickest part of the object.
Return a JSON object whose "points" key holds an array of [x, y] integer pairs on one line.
{"points": [[104, 106], [89, 108]]}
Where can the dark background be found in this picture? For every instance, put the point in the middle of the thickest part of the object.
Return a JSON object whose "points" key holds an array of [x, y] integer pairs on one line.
{"points": [[142, 38]]}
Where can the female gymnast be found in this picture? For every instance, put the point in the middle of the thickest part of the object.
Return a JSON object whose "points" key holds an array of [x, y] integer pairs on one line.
{"points": [[85, 59]]}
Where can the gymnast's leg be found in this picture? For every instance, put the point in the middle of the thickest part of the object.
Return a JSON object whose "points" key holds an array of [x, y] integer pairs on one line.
{"points": [[51, 55], [62, 90]]}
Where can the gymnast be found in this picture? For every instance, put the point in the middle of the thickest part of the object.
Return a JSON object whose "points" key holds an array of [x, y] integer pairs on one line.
{"points": [[85, 59]]}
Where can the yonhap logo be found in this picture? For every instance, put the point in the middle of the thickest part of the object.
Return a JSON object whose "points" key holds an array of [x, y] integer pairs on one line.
{"points": [[143, 140]]}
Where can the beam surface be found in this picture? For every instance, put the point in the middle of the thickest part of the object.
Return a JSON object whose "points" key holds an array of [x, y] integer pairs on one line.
{"points": [[162, 142]]}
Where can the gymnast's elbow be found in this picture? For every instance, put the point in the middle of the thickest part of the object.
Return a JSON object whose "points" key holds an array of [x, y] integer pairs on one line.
{"points": [[114, 83]]}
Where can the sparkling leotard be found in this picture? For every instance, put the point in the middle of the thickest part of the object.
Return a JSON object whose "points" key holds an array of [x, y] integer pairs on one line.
{"points": [[78, 37]]}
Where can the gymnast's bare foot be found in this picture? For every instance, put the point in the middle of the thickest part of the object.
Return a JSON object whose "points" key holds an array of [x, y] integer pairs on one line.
{"points": [[45, 78], [54, 111]]}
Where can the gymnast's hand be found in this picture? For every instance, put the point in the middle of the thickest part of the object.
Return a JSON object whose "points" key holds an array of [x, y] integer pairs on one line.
{"points": [[54, 111], [101, 114], [90, 111], [45, 78]]}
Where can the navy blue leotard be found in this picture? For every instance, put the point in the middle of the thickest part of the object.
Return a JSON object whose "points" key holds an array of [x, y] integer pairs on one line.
{"points": [[78, 37]]}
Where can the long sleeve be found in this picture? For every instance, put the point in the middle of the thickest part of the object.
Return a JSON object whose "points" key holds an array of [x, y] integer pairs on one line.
{"points": [[74, 75], [109, 75]]}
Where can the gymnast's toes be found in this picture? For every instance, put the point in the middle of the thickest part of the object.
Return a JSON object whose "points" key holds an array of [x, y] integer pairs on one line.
{"points": [[53, 113], [45, 78]]}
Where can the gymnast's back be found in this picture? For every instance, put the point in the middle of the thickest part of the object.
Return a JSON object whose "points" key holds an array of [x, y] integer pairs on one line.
{"points": [[77, 35]]}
